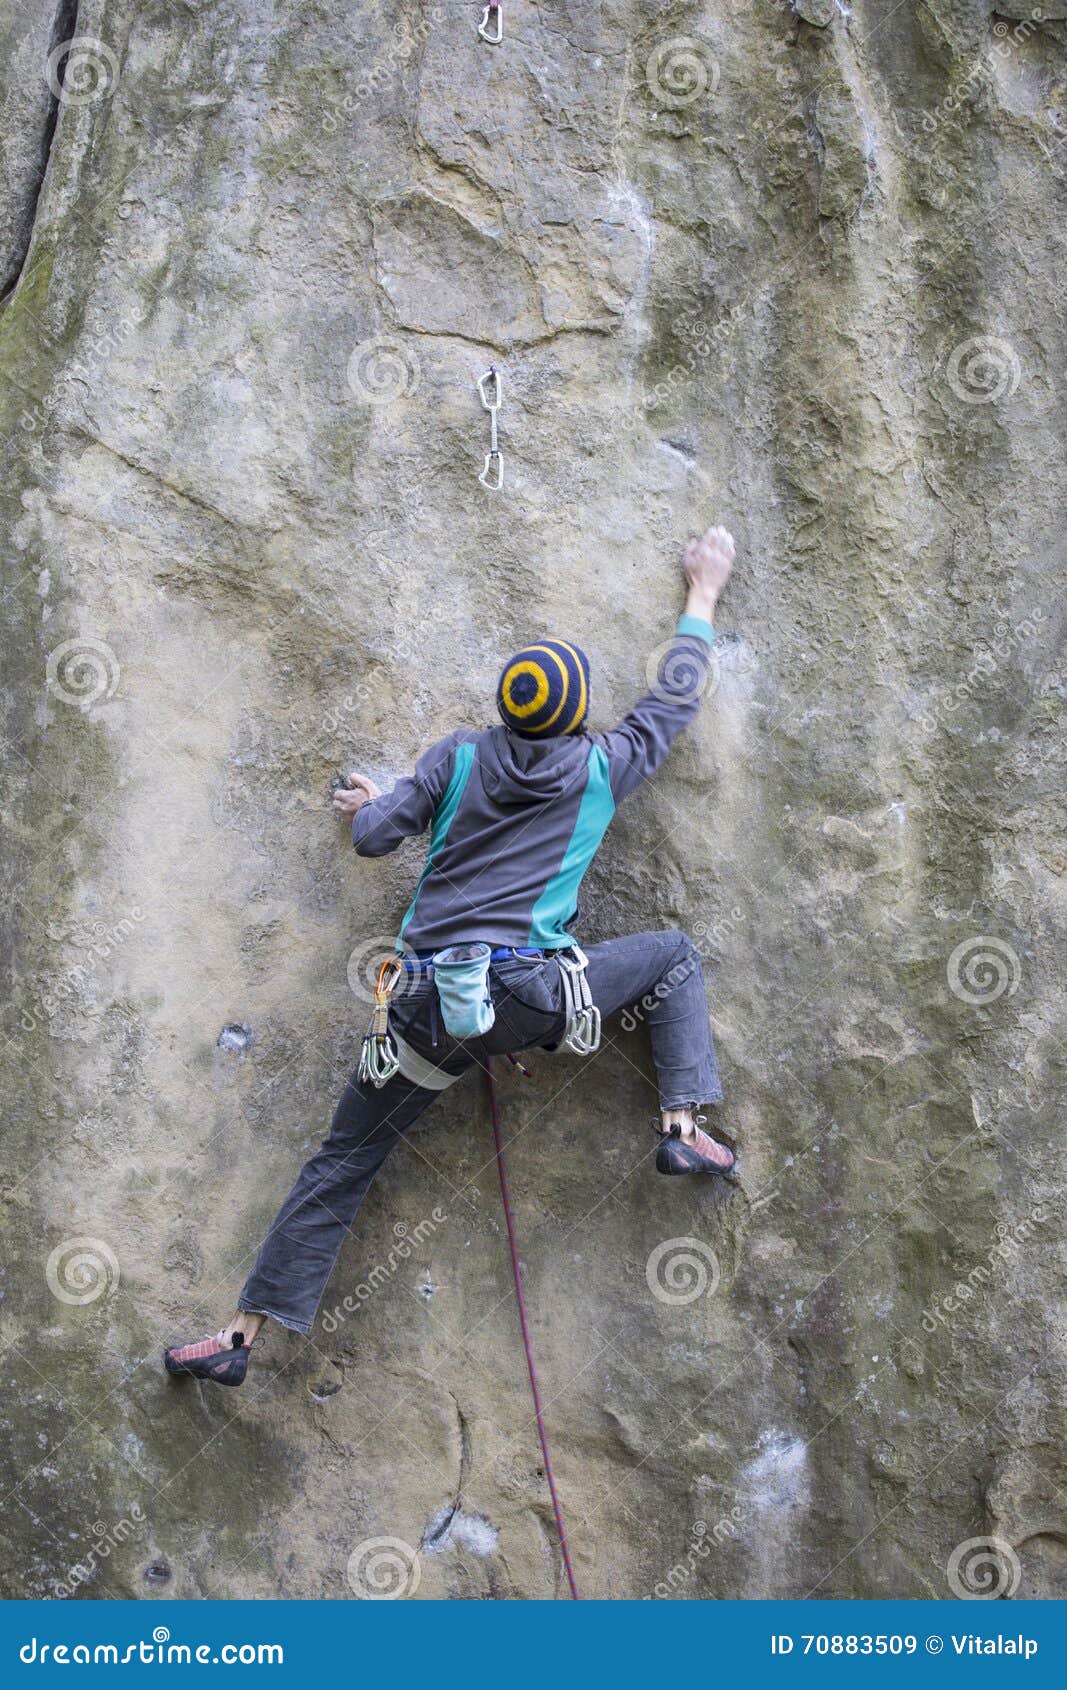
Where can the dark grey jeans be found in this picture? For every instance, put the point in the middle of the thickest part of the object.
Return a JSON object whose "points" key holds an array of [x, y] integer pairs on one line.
{"points": [[654, 978]]}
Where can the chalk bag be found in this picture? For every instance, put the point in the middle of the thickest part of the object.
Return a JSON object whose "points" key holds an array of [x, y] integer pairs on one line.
{"points": [[461, 975]]}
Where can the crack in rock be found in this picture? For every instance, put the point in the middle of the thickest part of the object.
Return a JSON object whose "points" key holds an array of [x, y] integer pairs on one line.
{"points": [[64, 26]]}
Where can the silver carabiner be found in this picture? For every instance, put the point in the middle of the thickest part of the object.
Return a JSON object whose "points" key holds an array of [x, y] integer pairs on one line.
{"points": [[582, 1031], [379, 1060], [492, 374], [492, 475], [484, 29], [588, 1030]]}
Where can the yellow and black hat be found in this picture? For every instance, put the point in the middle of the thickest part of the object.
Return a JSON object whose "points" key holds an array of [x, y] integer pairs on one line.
{"points": [[544, 690]]}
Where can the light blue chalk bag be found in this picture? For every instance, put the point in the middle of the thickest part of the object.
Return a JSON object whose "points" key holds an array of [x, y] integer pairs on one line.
{"points": [[461, 974]]}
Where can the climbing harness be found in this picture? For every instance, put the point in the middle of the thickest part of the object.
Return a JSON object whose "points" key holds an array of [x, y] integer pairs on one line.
{"points": [[420, 1072], [379, 1059], [494, 1112], [491, 31], [491, 392], [582, 1033]]}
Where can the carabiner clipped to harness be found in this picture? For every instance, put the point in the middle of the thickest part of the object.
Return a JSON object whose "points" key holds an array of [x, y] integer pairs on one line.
{"points": [[379, 1059], [486, 28], [582, 1033], [492, 475]]}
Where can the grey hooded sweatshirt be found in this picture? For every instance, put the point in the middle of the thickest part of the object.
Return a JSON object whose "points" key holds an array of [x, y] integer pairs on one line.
{"points": [[514, 823]]}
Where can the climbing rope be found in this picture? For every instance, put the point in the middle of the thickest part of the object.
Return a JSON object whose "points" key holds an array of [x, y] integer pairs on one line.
{"points": [[494, 1111]]}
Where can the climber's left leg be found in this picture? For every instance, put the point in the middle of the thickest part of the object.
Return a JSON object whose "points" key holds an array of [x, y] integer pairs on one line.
{"points": [[298, 1254]]}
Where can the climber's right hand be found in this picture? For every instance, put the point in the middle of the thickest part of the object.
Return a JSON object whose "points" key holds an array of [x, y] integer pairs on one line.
{"points": [[707, 563], [360, 789]]}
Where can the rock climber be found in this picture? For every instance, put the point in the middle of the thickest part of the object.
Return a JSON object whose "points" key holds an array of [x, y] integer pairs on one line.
{"points": [[485, 963]]}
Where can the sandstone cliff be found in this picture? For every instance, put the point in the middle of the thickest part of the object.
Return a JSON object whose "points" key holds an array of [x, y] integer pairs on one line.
{"points": [[794, 267]]}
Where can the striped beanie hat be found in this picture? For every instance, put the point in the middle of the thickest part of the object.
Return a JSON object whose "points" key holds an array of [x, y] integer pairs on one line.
{"points": [[544, 690]]}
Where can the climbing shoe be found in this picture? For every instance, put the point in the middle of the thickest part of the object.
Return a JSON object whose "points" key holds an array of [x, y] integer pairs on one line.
{"points": [[700, 1154], [211, 1358]]}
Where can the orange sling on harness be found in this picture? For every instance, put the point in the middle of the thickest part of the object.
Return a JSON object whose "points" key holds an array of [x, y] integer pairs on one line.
{"points": [[379, 1059]]}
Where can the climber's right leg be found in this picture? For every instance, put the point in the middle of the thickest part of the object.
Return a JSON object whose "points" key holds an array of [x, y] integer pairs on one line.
{"points": [[297, 1256], [657, 980]]}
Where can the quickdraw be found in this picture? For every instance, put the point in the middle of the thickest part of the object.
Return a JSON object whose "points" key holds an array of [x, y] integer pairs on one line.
{"points": [[582, 1034], [491, 392], [491, 28], [379, 1059]]}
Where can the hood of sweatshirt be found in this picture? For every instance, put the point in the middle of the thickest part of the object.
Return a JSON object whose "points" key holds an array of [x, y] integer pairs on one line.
{"points": [[531, 771]]}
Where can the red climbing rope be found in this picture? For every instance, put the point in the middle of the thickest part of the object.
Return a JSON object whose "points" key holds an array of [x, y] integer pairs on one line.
{"points": [[494, 1111]]}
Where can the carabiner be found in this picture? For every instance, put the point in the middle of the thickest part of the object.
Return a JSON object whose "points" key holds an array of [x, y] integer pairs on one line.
{"points": [[492, 10], [379, 1059], [492, 475], [582, 1031], [492, 374]]}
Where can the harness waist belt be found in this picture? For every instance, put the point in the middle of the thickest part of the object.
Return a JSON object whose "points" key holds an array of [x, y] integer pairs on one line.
{"points": [[422, 958]]}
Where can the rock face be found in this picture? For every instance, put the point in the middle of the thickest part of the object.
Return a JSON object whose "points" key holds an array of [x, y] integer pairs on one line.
{"points": [[795, 268]]}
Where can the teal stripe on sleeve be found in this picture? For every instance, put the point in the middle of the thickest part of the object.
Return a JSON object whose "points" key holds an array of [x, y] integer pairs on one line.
{"points": [[444, 815], [559, 899], [696, 626]]}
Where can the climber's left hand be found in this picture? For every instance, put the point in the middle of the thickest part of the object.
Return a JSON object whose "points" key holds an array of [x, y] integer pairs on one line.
{"points": [[360, 789]]}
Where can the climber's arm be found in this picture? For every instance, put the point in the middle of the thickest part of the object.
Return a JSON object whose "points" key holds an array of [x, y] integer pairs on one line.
{"points": [[637, 747], [381, 820]]}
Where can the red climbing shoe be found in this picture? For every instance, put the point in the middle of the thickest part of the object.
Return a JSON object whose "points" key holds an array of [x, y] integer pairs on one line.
{"points": [[701, 1154], [226, 1364]]}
